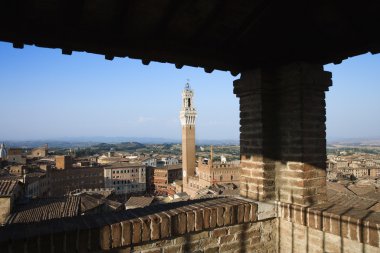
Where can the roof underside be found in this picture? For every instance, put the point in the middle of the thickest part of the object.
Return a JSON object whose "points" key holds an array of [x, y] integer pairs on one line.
{"points": [[214, 34]]}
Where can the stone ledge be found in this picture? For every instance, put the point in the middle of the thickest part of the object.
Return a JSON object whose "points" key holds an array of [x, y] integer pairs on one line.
{"points": [[348, 222], [128, 228]]}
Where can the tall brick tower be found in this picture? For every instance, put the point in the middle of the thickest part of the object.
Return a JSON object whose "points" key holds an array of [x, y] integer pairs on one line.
{"points": [[187, 117]]}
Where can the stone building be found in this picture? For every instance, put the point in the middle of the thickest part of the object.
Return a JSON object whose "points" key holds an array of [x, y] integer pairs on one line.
{"points": [[18, 170], [357, 172], [16, 156], [150, 161], [39, 152], [125, 178], [167, 161], [374, 172]]}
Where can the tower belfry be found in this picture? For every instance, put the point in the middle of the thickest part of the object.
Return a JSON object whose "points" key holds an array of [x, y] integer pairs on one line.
{"points": [[187, 117]]}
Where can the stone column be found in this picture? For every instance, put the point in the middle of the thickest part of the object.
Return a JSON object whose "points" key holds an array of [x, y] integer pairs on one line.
{"points": [[283, 139]]}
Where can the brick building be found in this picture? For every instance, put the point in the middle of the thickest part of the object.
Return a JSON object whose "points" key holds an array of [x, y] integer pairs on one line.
{"points": [[64, 181], [210, 173], [149, 172], [63, 162], [187, 117], [164, 176]]}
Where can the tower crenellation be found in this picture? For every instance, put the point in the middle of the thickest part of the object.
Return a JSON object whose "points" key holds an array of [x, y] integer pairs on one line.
{"points": [[188, 112]]}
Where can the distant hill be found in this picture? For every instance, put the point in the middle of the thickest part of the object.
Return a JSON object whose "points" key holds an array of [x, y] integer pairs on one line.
{"points": [[119, 146], [354, 141], [51, 144], [128, 143]]}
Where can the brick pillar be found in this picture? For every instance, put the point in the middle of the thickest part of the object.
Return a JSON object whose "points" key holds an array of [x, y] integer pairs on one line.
{"points": [[283, 139], [258, 142]]}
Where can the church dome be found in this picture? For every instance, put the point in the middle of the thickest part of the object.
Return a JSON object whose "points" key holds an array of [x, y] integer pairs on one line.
{"points": [[3, 151]]}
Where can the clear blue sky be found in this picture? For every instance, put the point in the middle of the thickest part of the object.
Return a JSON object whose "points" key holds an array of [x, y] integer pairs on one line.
{"points": [[47, 95]]}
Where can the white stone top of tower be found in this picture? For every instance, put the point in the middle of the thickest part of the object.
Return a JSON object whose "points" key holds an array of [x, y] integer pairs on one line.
{"points": [[3, 151], [188, 112]]}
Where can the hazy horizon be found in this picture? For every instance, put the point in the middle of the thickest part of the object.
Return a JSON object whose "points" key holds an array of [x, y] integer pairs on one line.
{"points": [[151, 139]]}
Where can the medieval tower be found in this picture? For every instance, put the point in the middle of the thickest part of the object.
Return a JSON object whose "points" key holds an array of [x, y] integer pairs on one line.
{"points": [[187, 117]]}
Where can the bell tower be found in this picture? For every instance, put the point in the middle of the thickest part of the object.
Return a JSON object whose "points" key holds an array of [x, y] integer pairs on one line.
{"points": [[187, 117]]}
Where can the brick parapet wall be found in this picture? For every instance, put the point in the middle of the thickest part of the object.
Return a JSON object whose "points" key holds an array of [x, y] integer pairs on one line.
{"points": [[349, 223], [294, 237], [282, 133], [222, 219], [213, 225]]}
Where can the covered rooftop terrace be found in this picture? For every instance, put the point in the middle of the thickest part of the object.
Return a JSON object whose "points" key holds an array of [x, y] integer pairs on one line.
{"points": [[279, 47]]}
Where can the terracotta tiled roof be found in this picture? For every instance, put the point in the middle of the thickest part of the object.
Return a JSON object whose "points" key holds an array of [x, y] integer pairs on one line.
{"points": [[134, 202], [92, 201], [340, 195], [45, 209], [7, 187]]}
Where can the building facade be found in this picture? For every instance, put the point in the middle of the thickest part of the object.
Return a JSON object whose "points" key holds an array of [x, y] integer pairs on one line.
{"points": [[63, 162], [62, 182], [39, 152], [36, 185], [125, 178], [167, 161], [16, 156], [152, 162]]}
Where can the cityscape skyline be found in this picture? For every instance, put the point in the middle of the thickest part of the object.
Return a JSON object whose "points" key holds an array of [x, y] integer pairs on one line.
{"points": [[123, 98]]}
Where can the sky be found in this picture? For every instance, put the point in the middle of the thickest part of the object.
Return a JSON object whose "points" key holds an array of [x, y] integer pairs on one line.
{"points": [[353, 101], [47, 95]]}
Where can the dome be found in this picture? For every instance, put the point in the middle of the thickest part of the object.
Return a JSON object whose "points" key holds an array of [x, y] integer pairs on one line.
{"points": [[3, 151]]}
